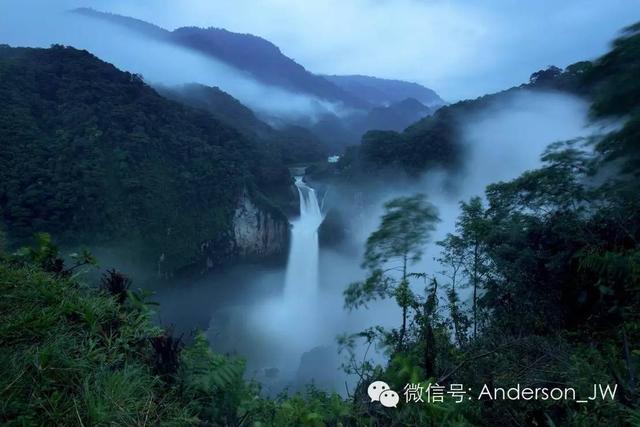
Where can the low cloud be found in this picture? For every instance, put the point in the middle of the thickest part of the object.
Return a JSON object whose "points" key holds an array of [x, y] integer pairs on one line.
{"points": [[157, 61], [459, 48]]}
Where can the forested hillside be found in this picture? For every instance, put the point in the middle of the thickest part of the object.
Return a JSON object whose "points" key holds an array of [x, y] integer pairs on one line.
{"points": [[293, 144], [93, 155], [255, 55], [551, 263], [220, 104], [435, 140], [537, 286]]}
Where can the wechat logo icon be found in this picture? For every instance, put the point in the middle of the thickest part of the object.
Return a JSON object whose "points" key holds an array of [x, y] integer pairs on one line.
{"points": [[379, 391]]}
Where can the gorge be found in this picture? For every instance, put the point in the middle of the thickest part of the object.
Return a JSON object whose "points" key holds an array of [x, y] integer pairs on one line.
{"points": [[197, 229]]}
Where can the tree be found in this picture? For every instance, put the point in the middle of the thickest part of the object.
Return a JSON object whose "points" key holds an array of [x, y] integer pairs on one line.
{"points": [[544, 76], [404, 230], [452, 260], [473, 229]]}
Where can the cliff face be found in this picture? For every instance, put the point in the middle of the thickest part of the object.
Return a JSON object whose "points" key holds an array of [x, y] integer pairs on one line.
{"points": [[157, 181], [257, 232]]}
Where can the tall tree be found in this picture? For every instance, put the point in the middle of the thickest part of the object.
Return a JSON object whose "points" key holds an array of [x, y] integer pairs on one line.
{"points": [[405, 228], [452, 257], [473, 229]]}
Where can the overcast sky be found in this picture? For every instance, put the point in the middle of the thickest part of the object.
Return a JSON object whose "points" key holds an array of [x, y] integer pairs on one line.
{"points": [[460, 48]]}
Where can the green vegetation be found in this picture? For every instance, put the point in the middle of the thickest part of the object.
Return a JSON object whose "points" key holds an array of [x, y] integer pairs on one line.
{"points": [[289, 145], [404, 230], [434, 141], [92, 155], [617, 93], [551, 262], [71, 354]]}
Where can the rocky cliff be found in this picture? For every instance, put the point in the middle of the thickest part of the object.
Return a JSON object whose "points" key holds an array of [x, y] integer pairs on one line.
{"points": [[258, 232]]}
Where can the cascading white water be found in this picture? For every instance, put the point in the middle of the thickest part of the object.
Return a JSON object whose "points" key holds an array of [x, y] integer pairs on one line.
{"points": [[285, 326], [301, 280], [275, 331]]}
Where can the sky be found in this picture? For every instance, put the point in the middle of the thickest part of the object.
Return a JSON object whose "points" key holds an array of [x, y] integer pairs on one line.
{"points": [[460, 48]]}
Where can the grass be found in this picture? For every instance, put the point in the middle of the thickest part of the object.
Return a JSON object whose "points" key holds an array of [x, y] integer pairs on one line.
{"points": [[70, 355]]}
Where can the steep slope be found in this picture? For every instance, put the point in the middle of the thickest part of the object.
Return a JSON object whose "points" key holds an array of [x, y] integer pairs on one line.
{"points": [[435, 140], [255, 55], [382, 92], [396, 116], [290, 144], [347, 130], [371, 100], [93, 155], [219, 103]]}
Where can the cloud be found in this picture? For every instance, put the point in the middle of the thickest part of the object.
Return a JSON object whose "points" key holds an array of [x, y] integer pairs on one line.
{"points": [[461, 49], [157, 61]]}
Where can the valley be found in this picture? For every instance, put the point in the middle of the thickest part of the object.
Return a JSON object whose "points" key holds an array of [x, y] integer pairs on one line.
{"points": [[196, 229]]}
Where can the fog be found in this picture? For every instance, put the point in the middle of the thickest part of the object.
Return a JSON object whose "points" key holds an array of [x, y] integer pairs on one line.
{"points": [[243, 310], [459, 48], [287, 345], [503, 140], [156, 61]]}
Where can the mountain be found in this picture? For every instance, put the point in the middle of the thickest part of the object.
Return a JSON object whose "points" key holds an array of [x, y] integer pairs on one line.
{"points": [[396, 116], [246, 52], [435, 140], [267, 64], [382, 92], [373, 103], [348, 129], [297, 144], [91, 154], [223, 106], [291, 144]]}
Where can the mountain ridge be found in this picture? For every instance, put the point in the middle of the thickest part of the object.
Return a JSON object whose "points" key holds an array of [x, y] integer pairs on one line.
{"points": [[382, 92], [293, 144], [256, 55], [265, 61], [93, 155]]}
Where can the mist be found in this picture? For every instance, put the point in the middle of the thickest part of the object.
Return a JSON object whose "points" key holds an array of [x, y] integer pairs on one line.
{"points": [[460, 49], [158, 62], [288, 346], [443, 45], [242, 309]]}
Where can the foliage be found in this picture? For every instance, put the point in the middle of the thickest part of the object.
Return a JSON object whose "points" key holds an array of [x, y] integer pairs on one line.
{"points": [[617, 93], [44, 254], [552, 260], [76, 355], [92, 155], [116, 284], [71, 356], [398, 242], [552, 257], [405, 227]]}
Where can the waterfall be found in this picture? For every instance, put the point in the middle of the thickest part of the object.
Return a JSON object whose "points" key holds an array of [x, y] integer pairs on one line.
{"points": [[301, 280]]}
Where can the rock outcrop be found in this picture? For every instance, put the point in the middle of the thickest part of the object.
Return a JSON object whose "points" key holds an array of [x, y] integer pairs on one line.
{"points": [[258, 232]]}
